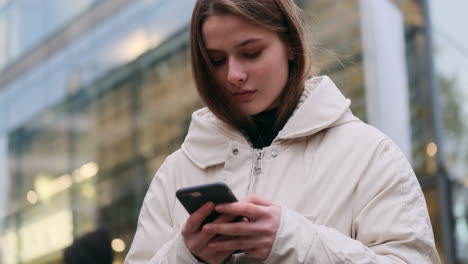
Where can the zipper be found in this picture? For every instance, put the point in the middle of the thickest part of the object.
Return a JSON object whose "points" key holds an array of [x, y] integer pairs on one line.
{"points": [[257, 171]]}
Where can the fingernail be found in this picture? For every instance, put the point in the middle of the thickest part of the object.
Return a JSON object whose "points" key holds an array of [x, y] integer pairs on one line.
{"points": [[220, 207], [207, 227]]}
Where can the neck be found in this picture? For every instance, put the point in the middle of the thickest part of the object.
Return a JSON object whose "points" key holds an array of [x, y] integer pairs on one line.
{"points": [[264, 132]]}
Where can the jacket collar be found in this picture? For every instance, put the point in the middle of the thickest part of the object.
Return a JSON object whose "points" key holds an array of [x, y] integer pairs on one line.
{"points": [[209, 140], [321, 106]]}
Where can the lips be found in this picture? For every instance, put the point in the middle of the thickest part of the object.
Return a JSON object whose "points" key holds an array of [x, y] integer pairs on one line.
{"points": [[244, 95]]}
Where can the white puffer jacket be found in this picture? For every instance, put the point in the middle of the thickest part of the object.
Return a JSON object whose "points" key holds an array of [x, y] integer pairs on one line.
{"points": [[348, 194]]}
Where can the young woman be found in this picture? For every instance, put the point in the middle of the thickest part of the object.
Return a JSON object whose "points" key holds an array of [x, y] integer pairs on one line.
{"points": [[317, 184]]}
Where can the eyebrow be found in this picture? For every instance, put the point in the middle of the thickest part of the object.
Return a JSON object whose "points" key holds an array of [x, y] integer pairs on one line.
{"points": [[242, 44]]}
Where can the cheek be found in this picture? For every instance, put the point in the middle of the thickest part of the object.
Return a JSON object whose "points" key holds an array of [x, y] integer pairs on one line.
{"points": [[274, 71], [265, 67], [221, 75]]}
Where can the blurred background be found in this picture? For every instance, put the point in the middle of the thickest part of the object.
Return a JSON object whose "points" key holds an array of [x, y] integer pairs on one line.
{"points": [[94, 94]]}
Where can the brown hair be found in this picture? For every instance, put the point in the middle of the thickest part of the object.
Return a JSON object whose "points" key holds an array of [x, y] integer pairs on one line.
{"points": [[281, 16]]}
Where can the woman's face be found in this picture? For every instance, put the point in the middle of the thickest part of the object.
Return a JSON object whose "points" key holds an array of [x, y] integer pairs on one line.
{"points": [[250, 61]]}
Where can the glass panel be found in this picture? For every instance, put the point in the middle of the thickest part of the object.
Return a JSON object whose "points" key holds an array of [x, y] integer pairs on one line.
{"points": [[88, 160], [450, 58], [460, 208], [13, 33], [434, 212], [451, 61], [9, 242], [61, 12], [424, 163], [112, 129], [163, 124], [40, 192], [449, 22], [3, 40], [100, 148], [336, 33], [45, 229], [30, 22]]}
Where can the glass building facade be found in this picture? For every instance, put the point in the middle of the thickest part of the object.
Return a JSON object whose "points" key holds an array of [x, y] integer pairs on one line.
{"points": [[25, 24], [84, 130]]}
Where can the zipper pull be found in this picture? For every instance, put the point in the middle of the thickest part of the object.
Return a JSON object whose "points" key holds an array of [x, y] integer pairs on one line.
{"points": [[258, 162]]}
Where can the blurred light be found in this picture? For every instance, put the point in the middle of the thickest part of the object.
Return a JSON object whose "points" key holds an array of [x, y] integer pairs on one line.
{"points": [[41, 185], [76, 175], [40, 235], [89, 169], [63, 182], [131, 47], [32, 197], [47, 188], [118, 245], [10, 246], [154, 40], [431, 149], [86, 171], [466, 182]]}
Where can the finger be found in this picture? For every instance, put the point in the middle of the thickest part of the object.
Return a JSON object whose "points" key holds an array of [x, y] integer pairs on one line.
{"points": [[237, 243], [257, 200], [199, 242], [195, 220], [249, 210], [220, 238], [236, 229], [206, 234], [225, 218]]}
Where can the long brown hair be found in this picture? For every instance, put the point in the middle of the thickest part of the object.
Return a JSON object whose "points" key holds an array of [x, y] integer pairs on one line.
{"points": [[280, 16]]}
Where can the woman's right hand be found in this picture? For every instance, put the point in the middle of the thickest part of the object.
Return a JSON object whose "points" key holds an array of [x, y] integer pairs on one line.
{"points": [[197, 239]]}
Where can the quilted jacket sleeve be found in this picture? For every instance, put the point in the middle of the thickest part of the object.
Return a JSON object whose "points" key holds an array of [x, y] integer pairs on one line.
{"points": [[390, 223], [155, 241]]}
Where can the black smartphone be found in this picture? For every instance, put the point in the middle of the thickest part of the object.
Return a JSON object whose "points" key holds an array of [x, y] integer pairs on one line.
{"points": [[194, 197]]}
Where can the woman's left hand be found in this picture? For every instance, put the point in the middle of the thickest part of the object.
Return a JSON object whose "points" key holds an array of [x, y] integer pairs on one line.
{"points": [[254, 237]]}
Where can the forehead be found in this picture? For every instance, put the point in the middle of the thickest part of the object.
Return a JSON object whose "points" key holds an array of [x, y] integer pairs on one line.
{"points": [[223, 31]]}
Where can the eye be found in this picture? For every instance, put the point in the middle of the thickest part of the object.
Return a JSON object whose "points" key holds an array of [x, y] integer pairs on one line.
{"points": [[218, 62], [253, 55]]}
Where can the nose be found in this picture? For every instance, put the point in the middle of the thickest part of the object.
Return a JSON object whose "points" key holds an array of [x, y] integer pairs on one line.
{"points": [[236, 74]]}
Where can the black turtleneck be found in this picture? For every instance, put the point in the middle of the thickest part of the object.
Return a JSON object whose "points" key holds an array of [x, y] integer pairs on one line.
{"points": [[265, 132]]}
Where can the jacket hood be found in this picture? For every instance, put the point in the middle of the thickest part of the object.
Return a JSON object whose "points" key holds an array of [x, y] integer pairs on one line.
{"points": [[321, 106]]}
